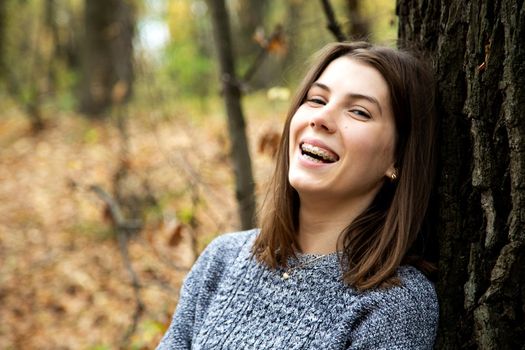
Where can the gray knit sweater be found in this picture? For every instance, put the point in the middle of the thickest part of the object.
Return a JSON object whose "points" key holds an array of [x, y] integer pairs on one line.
{"points": [[230, 301]]}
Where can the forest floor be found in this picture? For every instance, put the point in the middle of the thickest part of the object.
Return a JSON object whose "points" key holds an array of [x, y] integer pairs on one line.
{"points": [[63, 280]]}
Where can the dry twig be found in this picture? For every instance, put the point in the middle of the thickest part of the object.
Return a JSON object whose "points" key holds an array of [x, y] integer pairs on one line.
{"points": [[333, 26], [124, 228]]}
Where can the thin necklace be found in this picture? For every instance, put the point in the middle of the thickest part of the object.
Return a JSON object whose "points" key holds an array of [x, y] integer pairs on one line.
{"points": [[286, 274]]}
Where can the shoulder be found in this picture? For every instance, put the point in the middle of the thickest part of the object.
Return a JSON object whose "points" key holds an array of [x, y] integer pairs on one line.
{"points": [[415, 294], [414, 284], [216, 260], [201, 284], [402, 317], [231, 244], [223, 251], [234, 239]]}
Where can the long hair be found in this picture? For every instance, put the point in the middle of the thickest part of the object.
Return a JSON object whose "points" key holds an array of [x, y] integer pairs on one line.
{"points": [[375, 243]]}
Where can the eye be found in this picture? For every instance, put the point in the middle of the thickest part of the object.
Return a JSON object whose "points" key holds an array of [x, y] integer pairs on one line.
{"points": [[361, 114], [315, 101]]}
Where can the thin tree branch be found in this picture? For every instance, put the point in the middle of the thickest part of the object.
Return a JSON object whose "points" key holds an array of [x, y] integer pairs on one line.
{"points": [[263, 53], [124, 228], [332, 25], [135, 283]]}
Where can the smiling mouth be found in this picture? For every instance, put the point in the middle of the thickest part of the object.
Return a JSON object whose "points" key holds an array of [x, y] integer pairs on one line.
{"points": [[317, 154]]}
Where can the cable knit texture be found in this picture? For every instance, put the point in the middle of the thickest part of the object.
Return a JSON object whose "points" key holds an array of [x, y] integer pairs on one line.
{"points": [[230, 301]]}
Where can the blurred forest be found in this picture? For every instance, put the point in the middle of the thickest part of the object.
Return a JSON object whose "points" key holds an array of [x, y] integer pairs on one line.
{"points": [[115, 167]]}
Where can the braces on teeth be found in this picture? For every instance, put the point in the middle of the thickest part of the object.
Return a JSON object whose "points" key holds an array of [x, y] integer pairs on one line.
{"points": [[318, 152], [315, 160]]}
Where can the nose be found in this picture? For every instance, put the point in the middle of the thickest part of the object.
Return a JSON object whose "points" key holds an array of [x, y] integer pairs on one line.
{"points": [[323, 121]]}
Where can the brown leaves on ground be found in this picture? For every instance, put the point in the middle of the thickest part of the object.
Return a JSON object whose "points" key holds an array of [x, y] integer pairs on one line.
{"points": [[63, 284]]}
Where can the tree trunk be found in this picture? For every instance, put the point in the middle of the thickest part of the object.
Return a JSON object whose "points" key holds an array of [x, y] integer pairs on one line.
{"points": [[232, 99], [479, 55], [50, 7], [108, 54]]}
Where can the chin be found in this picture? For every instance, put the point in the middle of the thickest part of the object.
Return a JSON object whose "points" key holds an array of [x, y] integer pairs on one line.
{"points": [[307, 186]]}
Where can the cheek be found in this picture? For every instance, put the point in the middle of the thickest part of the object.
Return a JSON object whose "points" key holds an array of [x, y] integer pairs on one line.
{"points": [[389, 146], [291, 134], [388, 151], [370, 146], [363, 147], [296, 125]]}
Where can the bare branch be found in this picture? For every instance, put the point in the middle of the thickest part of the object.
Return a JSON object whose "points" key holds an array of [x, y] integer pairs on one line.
{"points": [[263, 53], [135, 283], [124, 228], [332, 25]]}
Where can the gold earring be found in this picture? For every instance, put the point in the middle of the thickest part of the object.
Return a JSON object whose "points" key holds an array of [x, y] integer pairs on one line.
{"points": [[393, 176]]}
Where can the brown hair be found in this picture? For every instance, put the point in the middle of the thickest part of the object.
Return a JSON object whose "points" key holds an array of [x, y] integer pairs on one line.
{"points": [[378, 240]]}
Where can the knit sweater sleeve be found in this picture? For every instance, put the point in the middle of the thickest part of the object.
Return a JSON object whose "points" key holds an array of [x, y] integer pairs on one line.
{"points": [[199, 288], [404, 317]]}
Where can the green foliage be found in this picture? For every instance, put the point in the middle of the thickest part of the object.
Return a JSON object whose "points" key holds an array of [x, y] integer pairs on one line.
{"points": [[91, 136], [66, 79], [94, 229], [99, 347], [39, 49], [381, 15], [153, 213], [186, 215], [148, 330], [42, 48], [190, 71], [187, 64]]}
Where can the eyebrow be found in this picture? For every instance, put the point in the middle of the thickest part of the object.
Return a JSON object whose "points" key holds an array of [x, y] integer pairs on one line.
{"points": [[352, 95]]}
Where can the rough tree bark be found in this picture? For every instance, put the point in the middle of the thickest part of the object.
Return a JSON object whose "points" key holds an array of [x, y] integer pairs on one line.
{"points": [[478, 49], [108, 54], [236, 125]]}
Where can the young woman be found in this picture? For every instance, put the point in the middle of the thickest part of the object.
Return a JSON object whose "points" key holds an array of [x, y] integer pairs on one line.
{"points": [[334, 265]]}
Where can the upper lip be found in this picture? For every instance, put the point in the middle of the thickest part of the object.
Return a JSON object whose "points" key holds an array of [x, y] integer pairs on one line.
{"points": [[320, 144]]}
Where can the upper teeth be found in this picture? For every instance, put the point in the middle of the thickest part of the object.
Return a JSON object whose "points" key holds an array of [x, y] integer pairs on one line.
{"points": [[318, 151]]}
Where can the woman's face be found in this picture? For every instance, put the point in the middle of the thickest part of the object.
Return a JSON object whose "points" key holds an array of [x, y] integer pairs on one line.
{"points": [[342, 138]]}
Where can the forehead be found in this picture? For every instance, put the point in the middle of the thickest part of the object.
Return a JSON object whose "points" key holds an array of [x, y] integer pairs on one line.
{"points": [[349, 75]]}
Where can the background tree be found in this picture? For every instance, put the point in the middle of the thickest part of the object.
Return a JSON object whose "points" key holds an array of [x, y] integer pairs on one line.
{"points": [[258, 45], [358, 26], [244, 182], [62, 29], [479, 54], [24, 56], [2, 37], [107, 54], [250, 17]]}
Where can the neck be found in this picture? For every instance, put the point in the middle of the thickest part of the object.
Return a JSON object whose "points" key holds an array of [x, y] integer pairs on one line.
{"points": [[321, 223]]}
